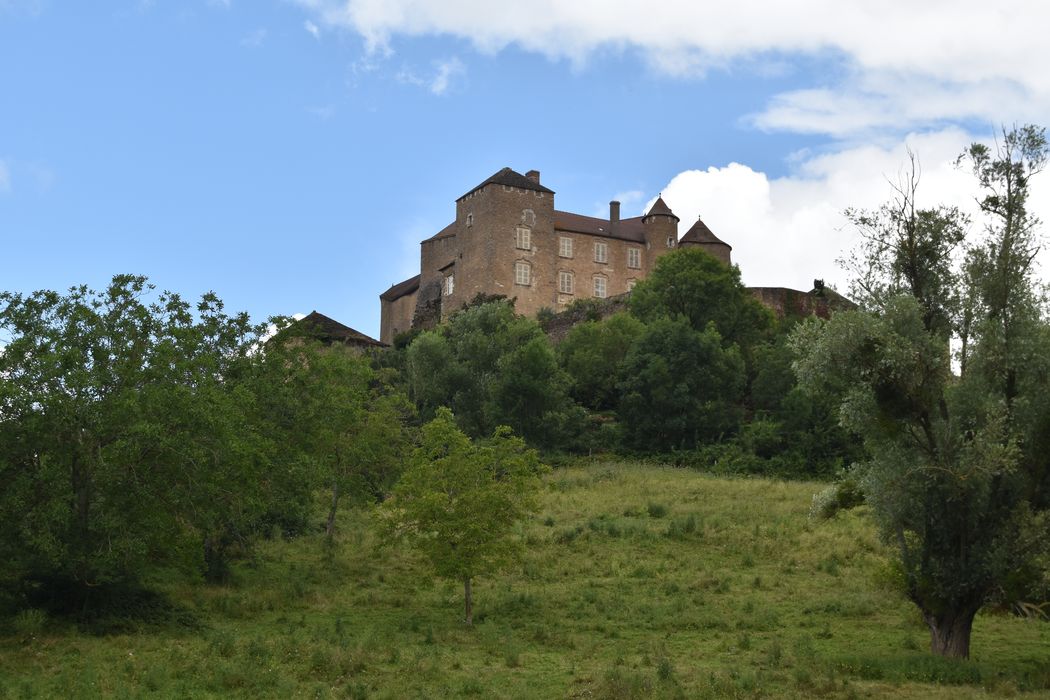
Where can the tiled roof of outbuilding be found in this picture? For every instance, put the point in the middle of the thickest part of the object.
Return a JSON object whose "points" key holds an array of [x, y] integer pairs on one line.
{"points": [[510, 178], [329, 330]]}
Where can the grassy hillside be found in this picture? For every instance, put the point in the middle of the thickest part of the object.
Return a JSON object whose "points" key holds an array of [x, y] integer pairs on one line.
{"points": [[639, 582]]}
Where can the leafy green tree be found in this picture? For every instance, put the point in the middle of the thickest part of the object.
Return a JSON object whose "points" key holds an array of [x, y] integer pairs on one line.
{"points": [[680, 387], [335, 411], [591, 354], [124, 437], [957, 474], [702, 289], [492, 367], [459, 502]]}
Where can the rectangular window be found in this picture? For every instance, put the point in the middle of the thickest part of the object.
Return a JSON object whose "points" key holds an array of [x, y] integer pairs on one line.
{"points": [[450, 285], [634, 258], [523, 238], [522, 273], [565, 282], [601, 252], [599, 287], [565, 247]]}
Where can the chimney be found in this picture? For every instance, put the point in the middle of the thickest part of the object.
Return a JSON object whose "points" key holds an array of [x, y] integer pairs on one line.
{"points": [[614, 211], [533, 175]]}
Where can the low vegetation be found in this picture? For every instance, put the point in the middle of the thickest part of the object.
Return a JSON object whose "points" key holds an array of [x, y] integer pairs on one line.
{"points": [[638, 581]]}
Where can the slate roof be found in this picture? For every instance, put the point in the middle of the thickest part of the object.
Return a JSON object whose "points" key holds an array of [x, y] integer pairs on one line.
{"points": [[624, 229], [700, 233], [508, 177], [329, 330], [447, 232], [401, 289], [660, 208]]}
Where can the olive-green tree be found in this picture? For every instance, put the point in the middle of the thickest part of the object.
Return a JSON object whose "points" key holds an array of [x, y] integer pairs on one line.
{"points": [[592, 353], [459, 502], [957, 474], [126, 437]]}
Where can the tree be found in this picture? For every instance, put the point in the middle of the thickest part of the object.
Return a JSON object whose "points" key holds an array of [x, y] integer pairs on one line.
{"points": [[591, 354], [492, 367], [680, 387], [459, 502], [958, 471], [697, 286], [333, 409], [125, 435]]}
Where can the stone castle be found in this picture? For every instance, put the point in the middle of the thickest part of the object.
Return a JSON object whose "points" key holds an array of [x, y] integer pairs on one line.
{"points": [[508, 239]]}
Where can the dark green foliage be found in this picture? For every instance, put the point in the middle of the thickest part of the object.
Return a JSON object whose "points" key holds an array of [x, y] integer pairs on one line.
{"points": [[492, 367], [680, 387], [592, 353], [692, 284], [126, 434]]}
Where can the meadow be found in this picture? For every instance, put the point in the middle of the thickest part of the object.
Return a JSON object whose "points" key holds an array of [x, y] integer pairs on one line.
{"points": [[638, 581]]}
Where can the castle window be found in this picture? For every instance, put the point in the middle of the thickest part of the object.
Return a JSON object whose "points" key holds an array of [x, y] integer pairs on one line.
{"points": [[528, 217], [470, 219], [634, 257], [522, 273], [450, 285], [601, 252], [522, 238], [599, 287], [565, 282], [565, 247], [670, 241]]}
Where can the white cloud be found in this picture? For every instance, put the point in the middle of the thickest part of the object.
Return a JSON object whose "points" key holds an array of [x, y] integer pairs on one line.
{"points": [[789, 230], [314, 30], [445, 73], [255, 39], [964, 58]]}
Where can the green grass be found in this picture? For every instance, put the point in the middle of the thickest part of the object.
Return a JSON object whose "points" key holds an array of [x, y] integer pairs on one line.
{"points": [[639, 582]]}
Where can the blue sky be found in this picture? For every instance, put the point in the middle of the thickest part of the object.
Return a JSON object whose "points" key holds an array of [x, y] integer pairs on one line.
{"points": [[290, 154]]}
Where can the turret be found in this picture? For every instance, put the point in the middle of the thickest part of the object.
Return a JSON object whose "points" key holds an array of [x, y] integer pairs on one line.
{"points": [[700, 236], [661, 228]]}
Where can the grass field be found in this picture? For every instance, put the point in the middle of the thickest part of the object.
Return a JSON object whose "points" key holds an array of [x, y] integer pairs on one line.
{"points": [[639, 581]]}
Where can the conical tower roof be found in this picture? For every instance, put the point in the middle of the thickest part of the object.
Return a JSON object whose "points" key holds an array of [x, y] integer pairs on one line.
{"points": [[660, 208], [700, 233]]}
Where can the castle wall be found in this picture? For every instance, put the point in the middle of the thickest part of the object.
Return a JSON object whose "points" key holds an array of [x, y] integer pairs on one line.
{"points": [[396, 317]]}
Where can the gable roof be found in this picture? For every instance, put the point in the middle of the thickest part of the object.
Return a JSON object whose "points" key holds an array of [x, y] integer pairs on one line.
{"points": [[510, 178], [624, 229], [700, 233], [328, 330], [401, 289]]}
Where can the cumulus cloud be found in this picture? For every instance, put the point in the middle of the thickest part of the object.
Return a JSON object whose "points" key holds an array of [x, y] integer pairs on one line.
{"points": [[952, 53], [786, 231]]}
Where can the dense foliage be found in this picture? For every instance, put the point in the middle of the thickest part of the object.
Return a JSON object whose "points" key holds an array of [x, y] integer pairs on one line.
{"points": [[958, 469]]}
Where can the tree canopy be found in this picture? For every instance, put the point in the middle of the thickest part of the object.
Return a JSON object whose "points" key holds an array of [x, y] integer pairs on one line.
{"points": [[957, 473]]}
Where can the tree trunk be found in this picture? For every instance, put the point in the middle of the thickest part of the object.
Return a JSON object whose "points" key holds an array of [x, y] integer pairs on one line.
{"points": [[468, 601], [950, 632], [329, 528]]}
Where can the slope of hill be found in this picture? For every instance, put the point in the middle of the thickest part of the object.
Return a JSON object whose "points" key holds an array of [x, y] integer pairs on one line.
{"points": [[640, 581]]}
